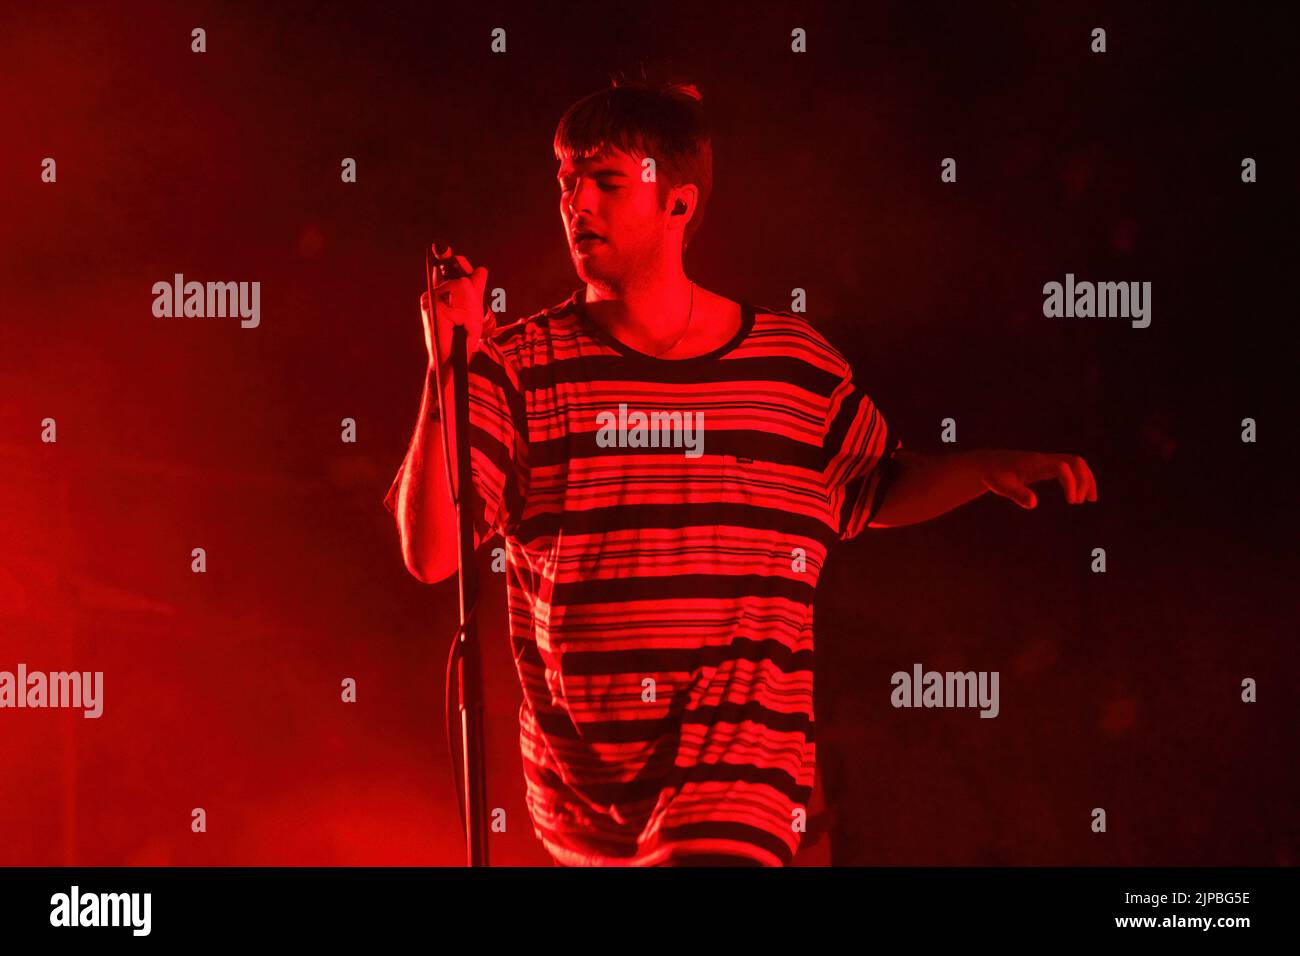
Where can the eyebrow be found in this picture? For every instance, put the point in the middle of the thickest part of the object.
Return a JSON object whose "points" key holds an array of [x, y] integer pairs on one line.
{"points": [[606, 172]]}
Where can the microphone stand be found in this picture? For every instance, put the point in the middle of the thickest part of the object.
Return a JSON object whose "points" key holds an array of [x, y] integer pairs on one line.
{"points": [[464, 655]]}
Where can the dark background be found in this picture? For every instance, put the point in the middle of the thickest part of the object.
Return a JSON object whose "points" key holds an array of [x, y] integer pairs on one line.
{"points": [[1119, 690]]}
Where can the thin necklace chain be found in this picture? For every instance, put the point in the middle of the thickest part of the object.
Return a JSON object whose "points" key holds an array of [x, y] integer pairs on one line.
{"points": [[685, 330]]}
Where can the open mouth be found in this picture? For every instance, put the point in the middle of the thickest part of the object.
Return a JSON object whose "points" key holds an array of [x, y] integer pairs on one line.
{"points": [[587, 238]]}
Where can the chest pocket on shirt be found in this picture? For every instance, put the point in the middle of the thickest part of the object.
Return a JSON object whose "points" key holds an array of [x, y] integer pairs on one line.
{"points": [[744, 479], [787, 498]]}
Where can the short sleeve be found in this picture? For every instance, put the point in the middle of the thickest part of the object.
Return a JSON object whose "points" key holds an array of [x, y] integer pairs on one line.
{"points": [[498, 439], [861, 460]]}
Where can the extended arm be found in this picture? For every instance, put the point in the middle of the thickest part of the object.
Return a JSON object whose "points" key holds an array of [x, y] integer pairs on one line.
{"points": [[927, 486]]}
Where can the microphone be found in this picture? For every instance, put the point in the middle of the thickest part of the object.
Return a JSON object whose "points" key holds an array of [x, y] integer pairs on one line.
{"points": [[448, 268]]}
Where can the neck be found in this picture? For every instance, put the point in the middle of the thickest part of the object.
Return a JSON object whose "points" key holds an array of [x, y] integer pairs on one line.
{"points": [[652, 307]]}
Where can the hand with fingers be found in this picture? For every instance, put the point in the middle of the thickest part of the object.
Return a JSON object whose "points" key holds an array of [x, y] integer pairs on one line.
{"points": [[458, 301], [1010, 473]]}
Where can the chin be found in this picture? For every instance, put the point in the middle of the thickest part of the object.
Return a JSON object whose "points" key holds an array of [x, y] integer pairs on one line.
{"points": [[589, 275]]}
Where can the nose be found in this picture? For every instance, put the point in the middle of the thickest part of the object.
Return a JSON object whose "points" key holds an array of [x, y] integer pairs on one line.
{"points": [[578, 201]]}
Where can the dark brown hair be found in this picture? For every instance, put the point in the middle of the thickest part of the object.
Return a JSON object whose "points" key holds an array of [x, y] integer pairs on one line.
{"points": [[641, 118]]}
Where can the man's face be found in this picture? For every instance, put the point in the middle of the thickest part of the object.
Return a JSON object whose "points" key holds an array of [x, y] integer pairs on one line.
{"points": [[604, 195]]}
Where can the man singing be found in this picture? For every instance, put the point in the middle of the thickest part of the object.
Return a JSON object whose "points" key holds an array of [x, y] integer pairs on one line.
{"points": [[668, 468]]}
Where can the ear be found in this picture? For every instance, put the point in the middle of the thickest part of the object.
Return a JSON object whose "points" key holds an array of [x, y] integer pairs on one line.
{"points": [[681, 201]]}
